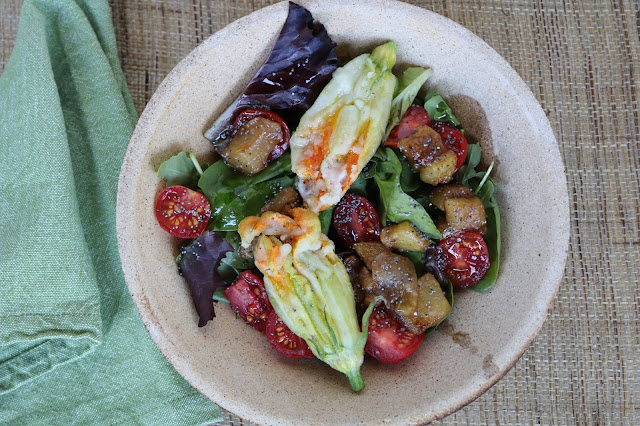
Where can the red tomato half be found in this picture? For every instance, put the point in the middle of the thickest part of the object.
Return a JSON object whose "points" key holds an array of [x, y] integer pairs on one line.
{"points": [[248, 298], [388, 340], [356, 220], [454, 140], [249, 114], [284, 341], [414, 117], [464, 258], [182, 212]]}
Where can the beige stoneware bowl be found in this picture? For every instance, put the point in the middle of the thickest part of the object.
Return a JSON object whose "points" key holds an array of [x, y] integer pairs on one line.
{"points": [[231, 363]]}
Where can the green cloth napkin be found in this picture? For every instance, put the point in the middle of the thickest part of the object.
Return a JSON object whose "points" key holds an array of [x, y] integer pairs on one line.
{"points": [[72, 346]]}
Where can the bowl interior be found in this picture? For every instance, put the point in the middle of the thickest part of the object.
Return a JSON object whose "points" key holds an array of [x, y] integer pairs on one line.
{"points": [[231, 363]]}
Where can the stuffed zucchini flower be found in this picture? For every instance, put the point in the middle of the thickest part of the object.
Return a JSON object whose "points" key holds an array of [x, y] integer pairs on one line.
{"points": [[340, 133], [308, 286]]}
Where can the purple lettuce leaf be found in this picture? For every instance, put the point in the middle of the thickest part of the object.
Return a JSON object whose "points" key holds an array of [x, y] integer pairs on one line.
{"points": [[198, 263], [297, 69]]}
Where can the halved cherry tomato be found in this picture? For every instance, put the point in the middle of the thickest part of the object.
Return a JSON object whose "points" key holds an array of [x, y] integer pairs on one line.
{"points": [[388, 340], [414, 117], [248, 298], [454, 140], [182, 212], [463, 257], [356, 220], [250, 114], [284, 341]]}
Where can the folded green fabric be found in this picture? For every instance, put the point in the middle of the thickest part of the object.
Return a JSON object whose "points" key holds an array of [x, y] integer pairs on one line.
{"points": [[72, 346]]}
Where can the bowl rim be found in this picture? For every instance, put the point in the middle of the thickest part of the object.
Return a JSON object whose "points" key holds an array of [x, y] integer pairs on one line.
{"points": [[171, 84]]}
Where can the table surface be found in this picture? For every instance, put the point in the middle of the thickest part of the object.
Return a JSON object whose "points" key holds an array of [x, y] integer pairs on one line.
{"points": [[581, 60]]}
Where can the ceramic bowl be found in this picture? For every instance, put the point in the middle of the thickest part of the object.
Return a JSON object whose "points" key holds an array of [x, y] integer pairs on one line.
{"points": [[232, 364]]}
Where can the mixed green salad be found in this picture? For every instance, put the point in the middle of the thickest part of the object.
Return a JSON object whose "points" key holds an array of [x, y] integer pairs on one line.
{"points": [[348, 234]]}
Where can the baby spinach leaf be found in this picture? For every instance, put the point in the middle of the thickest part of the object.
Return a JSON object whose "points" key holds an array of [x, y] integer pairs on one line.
{"points": [[221, 178], [234, 196], [231, 207], [397, 206], [359, 186], [232, 237], [232, 264], [181, 169], [438, 109]]}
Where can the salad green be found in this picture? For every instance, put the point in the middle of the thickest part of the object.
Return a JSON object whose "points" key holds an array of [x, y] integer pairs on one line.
{"points": [[396, 205], [484, 187]]}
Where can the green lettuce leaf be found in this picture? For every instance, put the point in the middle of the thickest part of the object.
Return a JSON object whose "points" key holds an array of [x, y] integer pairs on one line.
{"points": [[181, 169], [409, 84], [438, 109], [396, 205]]}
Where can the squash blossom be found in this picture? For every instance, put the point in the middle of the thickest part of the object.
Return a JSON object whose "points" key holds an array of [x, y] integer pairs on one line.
{"points": [[308, 286], [339, 134]]}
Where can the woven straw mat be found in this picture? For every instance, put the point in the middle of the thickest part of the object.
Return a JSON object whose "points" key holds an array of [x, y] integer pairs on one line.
{"points": [[581, 59]]}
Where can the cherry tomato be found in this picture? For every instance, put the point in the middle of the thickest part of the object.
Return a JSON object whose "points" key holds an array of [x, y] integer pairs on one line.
{"points": [[454, 140], [356, 220], [414, 117], [284, 341], [388, 340], [182, 212], [249, 114], [248, 298], [463, 257]]}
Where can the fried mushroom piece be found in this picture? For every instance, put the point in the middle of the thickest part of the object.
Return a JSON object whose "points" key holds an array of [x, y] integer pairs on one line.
{"points": [[285, 200]]}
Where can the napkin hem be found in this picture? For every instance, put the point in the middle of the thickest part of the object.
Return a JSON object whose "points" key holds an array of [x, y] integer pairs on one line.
{"points": [[32, 327], [40, 357]]}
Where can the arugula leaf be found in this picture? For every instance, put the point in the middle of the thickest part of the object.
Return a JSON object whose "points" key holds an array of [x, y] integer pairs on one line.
{"points": [[484, 187], [492, 238], [409, 84], [181, 170], [467, 171], [397, 206], [438, 109]]}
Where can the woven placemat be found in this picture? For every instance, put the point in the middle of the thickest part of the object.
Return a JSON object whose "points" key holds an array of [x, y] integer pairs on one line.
{"points": [[581, 59]]}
